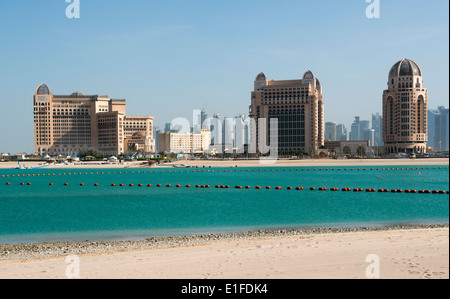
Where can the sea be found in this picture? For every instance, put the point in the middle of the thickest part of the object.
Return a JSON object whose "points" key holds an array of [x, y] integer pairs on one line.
{"points": [[68, 205]]}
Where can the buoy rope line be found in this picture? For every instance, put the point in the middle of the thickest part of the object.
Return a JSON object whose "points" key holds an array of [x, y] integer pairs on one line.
{"points": [[412, 191], [224, 170]]}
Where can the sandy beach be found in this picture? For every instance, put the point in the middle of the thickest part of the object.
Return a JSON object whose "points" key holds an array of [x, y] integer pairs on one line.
{"points": [[400, 253], [244, 163]]}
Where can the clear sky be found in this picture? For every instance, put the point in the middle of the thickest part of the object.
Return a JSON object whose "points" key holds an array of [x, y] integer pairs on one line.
{"points": [[169, 57]]}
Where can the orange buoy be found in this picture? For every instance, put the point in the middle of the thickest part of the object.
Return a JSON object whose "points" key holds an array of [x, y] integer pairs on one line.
{"points": [[149, 185], [168, 186], [131, 185], [227, 187], [66, 184], [51, 184], [178, 186], [113, 185], [159, 185], [139, 185], [238, 187], [299, 188], [96, 185], [81, 184], [258, 187], [22, 183], [268, 188], [289, 188], [277, 188], [312, 188]]}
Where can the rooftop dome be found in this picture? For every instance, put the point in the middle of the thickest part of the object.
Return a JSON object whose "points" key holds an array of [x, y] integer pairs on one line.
{"points": [[308, 75], [43, 89], [261, 77], [405, 67], [77, 94]]}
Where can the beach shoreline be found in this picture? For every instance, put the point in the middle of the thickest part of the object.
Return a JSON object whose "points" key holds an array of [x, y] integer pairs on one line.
{"points": [[239, 163], [410, 251]]}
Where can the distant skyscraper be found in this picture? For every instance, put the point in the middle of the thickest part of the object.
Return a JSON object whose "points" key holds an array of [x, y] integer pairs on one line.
{"points": [[330, 131], [216, 129], [377, 126], [405, 105], [438, 129], [355, 130], [298, 106], [172, 128], [341, 133], [156, 132], [364, 130]]}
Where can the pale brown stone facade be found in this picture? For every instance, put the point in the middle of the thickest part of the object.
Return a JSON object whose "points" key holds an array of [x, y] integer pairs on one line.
{"points": [[405, 106], [298, 106], [70, 124]]}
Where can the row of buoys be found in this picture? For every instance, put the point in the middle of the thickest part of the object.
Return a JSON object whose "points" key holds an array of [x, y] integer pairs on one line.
{"points": [[224, 170], [276, 188]]}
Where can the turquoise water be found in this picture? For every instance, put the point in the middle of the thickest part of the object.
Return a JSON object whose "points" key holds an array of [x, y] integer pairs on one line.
{"points": [[40, 212]]}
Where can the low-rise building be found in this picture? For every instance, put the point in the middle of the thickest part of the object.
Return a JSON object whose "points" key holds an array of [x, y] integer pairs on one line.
{"points": [[185, 143]]}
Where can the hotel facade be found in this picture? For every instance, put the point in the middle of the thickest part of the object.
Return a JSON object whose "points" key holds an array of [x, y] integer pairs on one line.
{"points": [[405, 108], [70, 124], [185, 143], [298, 106]]}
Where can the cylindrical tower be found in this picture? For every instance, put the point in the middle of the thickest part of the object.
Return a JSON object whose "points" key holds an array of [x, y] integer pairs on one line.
{"points": [[405, 105]]}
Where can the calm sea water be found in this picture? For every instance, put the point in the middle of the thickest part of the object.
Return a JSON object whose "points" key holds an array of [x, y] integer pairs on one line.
{"points": [[43, 213]]}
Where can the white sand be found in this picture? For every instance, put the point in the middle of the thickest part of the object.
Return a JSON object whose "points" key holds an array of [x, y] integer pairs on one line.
{"points": [[403, 254], [248, 163]]}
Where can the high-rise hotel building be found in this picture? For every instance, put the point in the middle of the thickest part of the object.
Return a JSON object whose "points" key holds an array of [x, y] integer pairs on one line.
{"points": [[405, 105], [70, 124], [298, 106]]}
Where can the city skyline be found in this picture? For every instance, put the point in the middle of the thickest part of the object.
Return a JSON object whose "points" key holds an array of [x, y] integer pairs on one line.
{"points": [[170, 58]]}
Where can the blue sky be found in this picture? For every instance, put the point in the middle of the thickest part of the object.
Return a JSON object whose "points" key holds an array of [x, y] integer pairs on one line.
{"points": [[169, 57]]}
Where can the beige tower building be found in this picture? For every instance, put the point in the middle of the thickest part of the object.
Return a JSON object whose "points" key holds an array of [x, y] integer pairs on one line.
{"points": [[405, 105], [298, 106], [70, 124]]}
